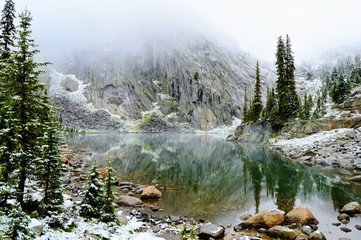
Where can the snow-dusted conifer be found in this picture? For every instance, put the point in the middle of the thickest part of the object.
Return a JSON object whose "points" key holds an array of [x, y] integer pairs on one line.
{"points": [[109, 209], [50, 167], [17, 225], [256, 107], [8, 29], [93, 195]]}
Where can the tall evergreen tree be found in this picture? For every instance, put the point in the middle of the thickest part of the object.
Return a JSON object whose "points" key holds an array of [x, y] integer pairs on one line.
{"points": [[50, 168], [109, 209], [93, 196], [245, 106], [292, 96], [286, 85], [26, 107], [8, 29], [256, 107]]}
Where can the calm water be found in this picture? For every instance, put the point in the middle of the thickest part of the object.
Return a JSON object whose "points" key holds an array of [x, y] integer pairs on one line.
{"points": [[207, 177]]}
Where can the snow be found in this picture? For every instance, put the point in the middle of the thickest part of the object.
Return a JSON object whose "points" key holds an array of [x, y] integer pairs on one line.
{"points": [[56, 89], [321, 137], [123, 232], [225, 129]]}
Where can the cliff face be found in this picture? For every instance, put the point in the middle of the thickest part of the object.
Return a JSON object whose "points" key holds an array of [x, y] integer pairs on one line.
{"points": [[190, 80]]}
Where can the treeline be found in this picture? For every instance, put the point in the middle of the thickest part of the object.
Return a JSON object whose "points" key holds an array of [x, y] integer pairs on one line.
{"points": [[31, 168], [283, 104]]}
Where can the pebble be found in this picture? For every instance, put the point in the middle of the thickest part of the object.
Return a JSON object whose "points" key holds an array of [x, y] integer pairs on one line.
{"points": [[345, 229]]}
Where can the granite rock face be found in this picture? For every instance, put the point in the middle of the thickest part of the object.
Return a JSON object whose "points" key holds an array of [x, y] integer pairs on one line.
{"points": [[201, 82]]}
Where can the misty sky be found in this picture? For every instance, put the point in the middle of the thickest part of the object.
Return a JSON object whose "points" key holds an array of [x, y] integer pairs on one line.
{"points": [[315, 26]]}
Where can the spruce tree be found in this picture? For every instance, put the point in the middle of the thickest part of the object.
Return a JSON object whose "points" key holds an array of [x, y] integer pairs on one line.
{"points": [[17, 225], [50, 167], [256, 107], [286, 85], [28, 102], [245, 107], [93, 195], [8, 29], [109, 209], [292, 103]]}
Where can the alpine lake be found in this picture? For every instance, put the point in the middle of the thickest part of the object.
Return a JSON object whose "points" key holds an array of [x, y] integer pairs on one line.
{"points": [[202, 176]]}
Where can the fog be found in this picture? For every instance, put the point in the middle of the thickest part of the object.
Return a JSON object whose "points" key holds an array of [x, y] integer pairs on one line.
{"points": [[315, 27]]}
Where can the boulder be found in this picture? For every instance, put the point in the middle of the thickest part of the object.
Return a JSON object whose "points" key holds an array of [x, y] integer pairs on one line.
{"points": [[300, 215], [282, 232], [317, 235], [302, 237], [266, 219], [209, 230], [343, 216], [129, 201], [36, 226], [358, 227], [150, 193], [352, 208]]}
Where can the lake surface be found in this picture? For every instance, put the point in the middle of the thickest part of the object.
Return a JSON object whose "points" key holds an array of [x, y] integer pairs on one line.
{"points": [[206, 177]]}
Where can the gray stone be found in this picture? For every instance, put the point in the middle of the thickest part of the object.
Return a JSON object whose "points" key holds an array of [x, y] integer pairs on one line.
{"points": [[345, 229], [358, 227], [129, 201], [307, 230], [352, 208], [282, 232], [343, 216], [317, 235], [36, 226], [210, 230]]}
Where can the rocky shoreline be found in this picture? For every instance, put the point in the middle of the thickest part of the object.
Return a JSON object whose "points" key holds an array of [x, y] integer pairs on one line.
{"points": [[138, 203], [339, 148]]}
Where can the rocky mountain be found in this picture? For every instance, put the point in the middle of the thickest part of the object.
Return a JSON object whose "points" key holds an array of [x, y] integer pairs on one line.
{"points": [[179, 79]]}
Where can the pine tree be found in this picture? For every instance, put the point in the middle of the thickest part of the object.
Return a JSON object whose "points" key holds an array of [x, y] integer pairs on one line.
{"points": [[245, 106], [93, 196], [109, 209], [8, 28], [29, 102], [286, 85], [17, 226], [256, 107], [292, 103], [50, 168]]}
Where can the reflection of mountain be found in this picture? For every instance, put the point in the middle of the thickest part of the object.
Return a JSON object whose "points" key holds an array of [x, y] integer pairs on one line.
{"points": [[205, 176]]}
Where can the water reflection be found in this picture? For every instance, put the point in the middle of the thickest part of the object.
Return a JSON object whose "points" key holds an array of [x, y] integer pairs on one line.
{"points": [[205, 176]]}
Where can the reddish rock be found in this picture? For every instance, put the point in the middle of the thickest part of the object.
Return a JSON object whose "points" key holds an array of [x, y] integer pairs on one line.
{"points": [[150, 192], [267, 219], [300, 215]]}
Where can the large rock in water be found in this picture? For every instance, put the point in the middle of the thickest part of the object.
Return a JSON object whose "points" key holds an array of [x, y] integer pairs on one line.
{"points": [[352, 208], [317, 235], [282, 232], [150, 193], [301, 215], [210, 230], [266, 219], [129, 201]]}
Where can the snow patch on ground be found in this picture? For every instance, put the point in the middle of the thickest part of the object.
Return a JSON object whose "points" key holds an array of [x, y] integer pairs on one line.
{"points": [[84, 229], [225, 129], [321, 137], [56, 89]]}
